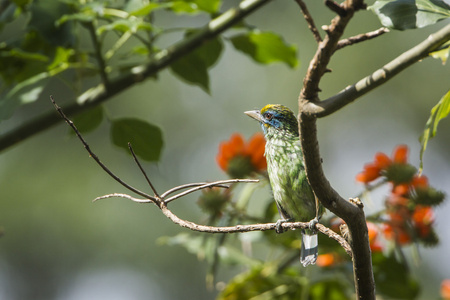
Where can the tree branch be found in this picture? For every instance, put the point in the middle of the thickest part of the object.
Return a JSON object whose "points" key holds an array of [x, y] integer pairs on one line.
{"points": [[237, 228], [380, 76], [361, 38], [350, 212], [161, 202], [162, 59], [309, 20]]}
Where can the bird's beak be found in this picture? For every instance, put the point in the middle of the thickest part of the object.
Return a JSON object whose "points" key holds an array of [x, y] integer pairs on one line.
{"points": [[255, 114]]}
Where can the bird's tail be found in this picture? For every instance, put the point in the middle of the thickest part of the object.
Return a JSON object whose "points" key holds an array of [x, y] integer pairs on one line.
{"points": [[310, 248]]}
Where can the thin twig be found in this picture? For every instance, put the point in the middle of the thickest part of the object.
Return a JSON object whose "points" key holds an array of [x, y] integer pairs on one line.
{"points": [[336, 7], [206, 185], [98, 53], [361, 37], [143, 171], [309, 20], [187, 185], [123, 196], [238, 228], [92, 154]]}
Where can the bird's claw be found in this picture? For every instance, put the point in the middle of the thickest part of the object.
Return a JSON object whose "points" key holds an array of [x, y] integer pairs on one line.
{"points": [[312, 224], [278, 225]]}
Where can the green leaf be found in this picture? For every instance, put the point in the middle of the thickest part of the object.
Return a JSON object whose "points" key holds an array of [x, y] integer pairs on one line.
{"points": [[124, 25], [409, 14], [44, 17], [88, 120], [266, 47], [442, 53], [193, 67], [25, 92], [438, 112], [146, 139], [393, 279]]}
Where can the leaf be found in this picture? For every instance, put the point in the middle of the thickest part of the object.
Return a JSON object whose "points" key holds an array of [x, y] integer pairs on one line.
{"points": [[393, 279], [193, 67], [124, 25], [438, 112], [442, 53], [25, 92], [409, 14], [88, 120], [44, 17], [266, 47], [145, 138]]}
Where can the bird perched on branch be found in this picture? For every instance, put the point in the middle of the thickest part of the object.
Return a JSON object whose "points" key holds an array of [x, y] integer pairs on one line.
{"points": [[292, 193]]}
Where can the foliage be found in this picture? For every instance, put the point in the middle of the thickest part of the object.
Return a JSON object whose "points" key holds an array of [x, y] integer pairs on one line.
{"points": [[124, 36], [49, 48]]}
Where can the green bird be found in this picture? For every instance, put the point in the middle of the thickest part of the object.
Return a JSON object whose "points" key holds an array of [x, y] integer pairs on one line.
{"points": [[285, 165]]}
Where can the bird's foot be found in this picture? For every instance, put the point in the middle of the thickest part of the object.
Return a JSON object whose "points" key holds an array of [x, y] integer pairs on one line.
{"points": [[278, 225], [312, 224]]}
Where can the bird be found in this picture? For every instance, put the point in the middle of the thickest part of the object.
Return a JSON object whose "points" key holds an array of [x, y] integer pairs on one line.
{"points": [[292, 193]]}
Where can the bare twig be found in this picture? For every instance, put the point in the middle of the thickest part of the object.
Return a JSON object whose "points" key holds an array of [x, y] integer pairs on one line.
{"points": [[92, 154], [361, 37], [309, 20], [187, 185], [237, 228], [336, 7], [380, 76], [143, 171], [207, 185], [162, 203]]}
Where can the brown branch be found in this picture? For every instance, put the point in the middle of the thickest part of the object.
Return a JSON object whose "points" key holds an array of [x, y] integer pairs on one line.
{"points": [[309, 20], [380, 76], [237, 228], [351, 213], [95, 157], [336, 7], [161, 202], [361, 38]]}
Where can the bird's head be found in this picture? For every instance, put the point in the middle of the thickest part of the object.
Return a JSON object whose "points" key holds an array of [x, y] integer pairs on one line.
{"points": [[275, 118]]}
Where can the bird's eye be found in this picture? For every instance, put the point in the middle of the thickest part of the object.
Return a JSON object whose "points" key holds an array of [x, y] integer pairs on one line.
{"points": [[268, 116]]}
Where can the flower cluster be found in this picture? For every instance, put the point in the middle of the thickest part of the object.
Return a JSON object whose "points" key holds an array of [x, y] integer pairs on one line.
{"points": [[409, 211], [240, 159]]}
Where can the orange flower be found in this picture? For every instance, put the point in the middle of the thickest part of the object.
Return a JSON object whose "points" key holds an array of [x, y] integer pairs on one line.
{"points": [[420, 181], [370, 173], [400, 189], [326, 260], [397, 233], [240, 159], [375, 245], [382, 160], [423, 218], [445, 289], [382, 163], [400, 155]]}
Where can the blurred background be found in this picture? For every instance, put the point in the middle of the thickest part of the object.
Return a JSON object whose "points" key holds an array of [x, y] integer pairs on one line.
{"points": [[57, 244]]}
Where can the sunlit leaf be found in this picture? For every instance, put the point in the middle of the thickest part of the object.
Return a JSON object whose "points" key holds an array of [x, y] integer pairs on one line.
{"points": [[88, 120], [409, 14], [146, 139], [124, 25], [266, 47], [438, 112], [442, 53]]}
